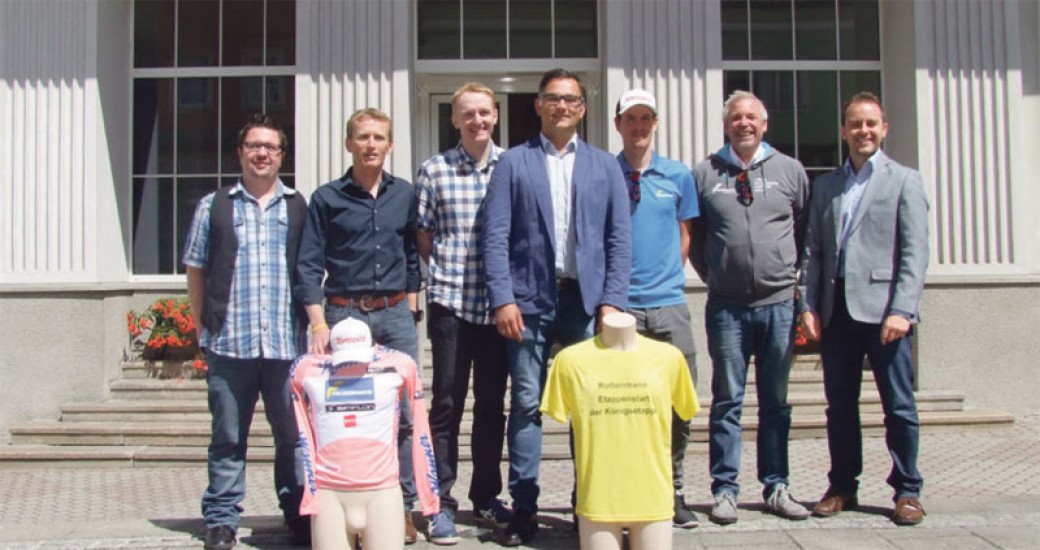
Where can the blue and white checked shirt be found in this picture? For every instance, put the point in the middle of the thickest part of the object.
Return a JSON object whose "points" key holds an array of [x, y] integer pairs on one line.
{"points": [[449, 189], [259, 317]]}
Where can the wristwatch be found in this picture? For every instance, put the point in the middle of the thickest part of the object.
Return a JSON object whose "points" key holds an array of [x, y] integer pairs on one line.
{"points": [[417, 315]]}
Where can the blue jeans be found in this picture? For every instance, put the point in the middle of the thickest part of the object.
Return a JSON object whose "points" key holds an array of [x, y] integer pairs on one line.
{"points": [[844, 344], [458, 347], [735, 333], [672, 324], [568, 324], [233, 387], [393, 327]]}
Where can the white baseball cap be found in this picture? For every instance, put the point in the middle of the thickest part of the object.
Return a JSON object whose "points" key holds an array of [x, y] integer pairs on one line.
{"points": [[635, 97], [351, 342]]}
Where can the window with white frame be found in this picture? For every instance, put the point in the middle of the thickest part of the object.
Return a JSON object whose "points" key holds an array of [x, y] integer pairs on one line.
{"points": [[506, 29], [200, 67], [802, 58]]}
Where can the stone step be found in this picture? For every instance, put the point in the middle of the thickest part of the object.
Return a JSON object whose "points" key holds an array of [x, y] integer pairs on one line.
{"points": [[195, 409], [149, 388], [555, 442], [196, 434]]}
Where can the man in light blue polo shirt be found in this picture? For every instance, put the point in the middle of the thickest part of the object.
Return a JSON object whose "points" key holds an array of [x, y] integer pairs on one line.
{"points": [[663, 201]]}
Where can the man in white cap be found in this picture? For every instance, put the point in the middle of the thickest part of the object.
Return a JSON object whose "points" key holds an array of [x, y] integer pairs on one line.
{"points": [[663, 199]]}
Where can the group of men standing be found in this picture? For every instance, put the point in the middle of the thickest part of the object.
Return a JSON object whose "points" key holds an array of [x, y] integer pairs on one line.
{"points": [[531, 247]]}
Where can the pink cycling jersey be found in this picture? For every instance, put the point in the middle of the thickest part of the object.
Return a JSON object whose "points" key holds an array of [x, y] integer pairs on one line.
{"points": [[348, 418]]}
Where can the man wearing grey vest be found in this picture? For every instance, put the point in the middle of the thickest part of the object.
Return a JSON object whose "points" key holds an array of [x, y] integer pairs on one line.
{"points": [[239, 255]]}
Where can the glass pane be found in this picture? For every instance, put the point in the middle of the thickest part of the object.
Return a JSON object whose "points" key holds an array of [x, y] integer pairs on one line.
{"points": [[484, 29], [733, 81], [852, 82], [153, 33], [153, 126], [228, 181], [776, 90], [243, 32], [734, 29], [281, 32], [280, 103], [771, 29], [815, 29], [576, 28], [859, 29], [438, 29], [530, 29], [815, 173], [197, 146], [198, 34], [241, 97], [818, 118], [153, 226], [188, 193], [524, 123], [447, 135]]}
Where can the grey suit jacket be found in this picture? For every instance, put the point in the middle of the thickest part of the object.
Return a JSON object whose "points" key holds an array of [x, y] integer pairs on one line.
{"points": [[887, 251]]}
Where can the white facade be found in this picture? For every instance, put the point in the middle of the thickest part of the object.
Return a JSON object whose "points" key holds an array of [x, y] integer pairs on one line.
{"points": [[961, 84]]}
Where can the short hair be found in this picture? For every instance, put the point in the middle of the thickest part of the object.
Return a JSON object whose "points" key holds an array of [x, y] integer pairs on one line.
{"points": [[558, 73], [369, 113], [262, 120], [862, 97], [741, 95], [471, 87]]}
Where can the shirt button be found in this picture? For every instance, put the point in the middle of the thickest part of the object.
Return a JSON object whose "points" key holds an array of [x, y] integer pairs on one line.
{"points": [[378, 265]]}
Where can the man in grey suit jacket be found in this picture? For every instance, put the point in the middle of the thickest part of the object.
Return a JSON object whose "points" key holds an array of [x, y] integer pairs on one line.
{"points": [[557, 254], [862, 276]]}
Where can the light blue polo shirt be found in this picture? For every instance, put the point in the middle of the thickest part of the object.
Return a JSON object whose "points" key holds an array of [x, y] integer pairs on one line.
{"points": [[668, 195]]}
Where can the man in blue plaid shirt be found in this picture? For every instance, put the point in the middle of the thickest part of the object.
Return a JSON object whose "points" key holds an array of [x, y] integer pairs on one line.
{"points": [[449, 189], [239, 254]]}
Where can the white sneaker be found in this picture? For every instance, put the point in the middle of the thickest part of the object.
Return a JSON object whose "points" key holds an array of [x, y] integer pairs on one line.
{"points": [[781, 503], [724, 512]]}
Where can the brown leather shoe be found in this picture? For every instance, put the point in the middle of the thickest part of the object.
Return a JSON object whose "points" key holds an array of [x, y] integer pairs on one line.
{"points": [[908, 511], [834, 503], [410, 534]]}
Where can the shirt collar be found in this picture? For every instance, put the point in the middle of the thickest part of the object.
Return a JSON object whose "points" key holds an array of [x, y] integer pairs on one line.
{"points": [[548, 146], [280, 189], [348, 179], [627, 168], [466, 159], [866, 171], [759, 153]]}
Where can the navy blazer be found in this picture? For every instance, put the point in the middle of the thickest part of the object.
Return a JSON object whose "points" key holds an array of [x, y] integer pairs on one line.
{"points": [[518, 238]]}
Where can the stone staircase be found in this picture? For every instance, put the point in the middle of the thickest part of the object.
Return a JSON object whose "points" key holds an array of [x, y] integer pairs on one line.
{"points": [[149, 421]]}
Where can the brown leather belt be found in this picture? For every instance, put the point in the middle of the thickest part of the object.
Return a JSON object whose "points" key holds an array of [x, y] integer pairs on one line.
{"points": [[367, 302], [566, 284]]}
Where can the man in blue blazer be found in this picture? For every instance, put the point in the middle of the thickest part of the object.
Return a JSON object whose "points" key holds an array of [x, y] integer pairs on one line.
{"points": [[862, 276], [557, 256]]}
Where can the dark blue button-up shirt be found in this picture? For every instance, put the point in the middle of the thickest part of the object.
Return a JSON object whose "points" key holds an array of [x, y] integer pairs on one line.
{"points": [[366, 244]]}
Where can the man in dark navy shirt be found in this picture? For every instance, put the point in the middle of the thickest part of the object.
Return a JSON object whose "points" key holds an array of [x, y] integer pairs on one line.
{"points": [[360, 231]]}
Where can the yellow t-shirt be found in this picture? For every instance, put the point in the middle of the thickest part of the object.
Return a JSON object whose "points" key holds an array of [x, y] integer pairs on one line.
{"points": [[620, 404]]}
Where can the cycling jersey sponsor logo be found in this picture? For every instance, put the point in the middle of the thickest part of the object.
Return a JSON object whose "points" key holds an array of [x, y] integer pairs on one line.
{"points": [[308, 464], [349, 421], [350, 394], [431, 462], [350, 390]]}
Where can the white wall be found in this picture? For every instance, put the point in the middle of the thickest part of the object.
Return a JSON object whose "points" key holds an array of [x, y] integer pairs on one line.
{"points": [[350, 54]]}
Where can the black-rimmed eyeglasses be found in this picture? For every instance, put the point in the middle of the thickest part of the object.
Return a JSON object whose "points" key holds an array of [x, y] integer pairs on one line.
{"points": [[555, 99]]}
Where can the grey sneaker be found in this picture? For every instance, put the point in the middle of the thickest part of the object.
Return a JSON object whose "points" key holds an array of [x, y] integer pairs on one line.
{"points": [[724, 512], [781, 503]]}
